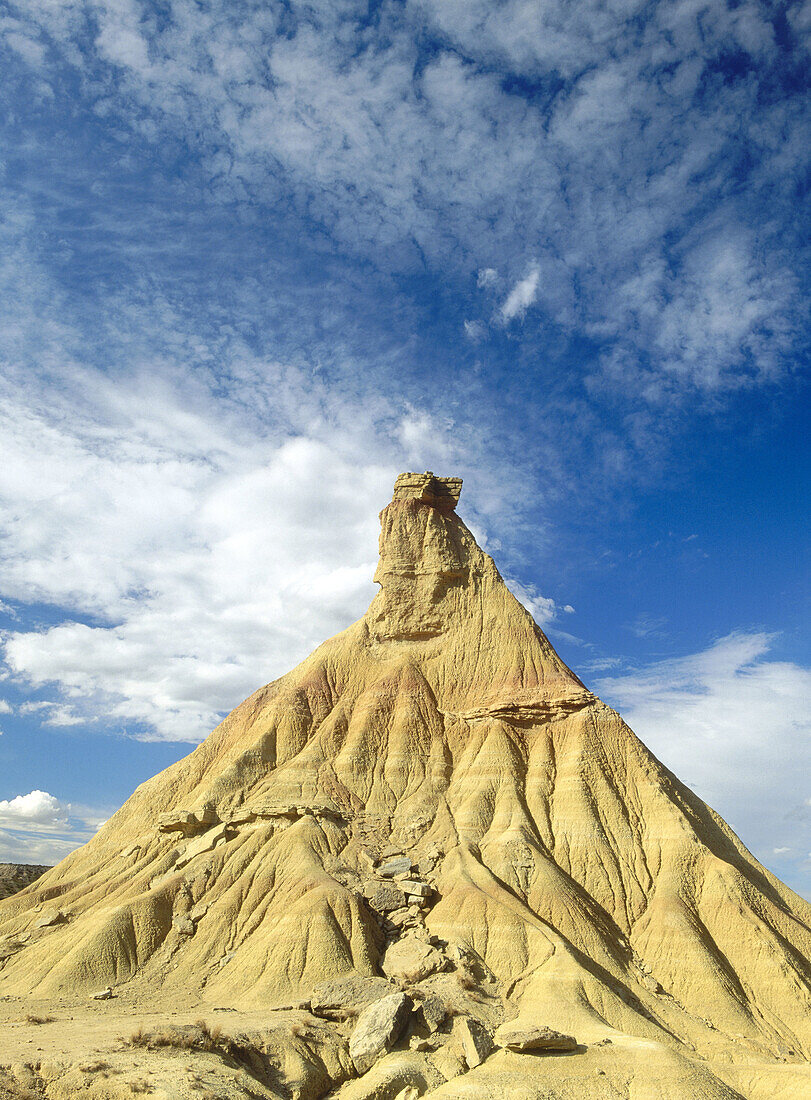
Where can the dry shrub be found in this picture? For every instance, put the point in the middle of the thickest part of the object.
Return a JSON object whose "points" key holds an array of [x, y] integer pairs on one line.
{"points": [[140, 1086], [211, 1035], [410, 976], [298, 1030], [198, 1036], [465, 979], [94, 1067], [31, 1019]]}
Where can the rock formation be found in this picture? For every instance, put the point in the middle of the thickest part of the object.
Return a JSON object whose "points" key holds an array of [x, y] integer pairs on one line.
{"points": [[431, 828]]}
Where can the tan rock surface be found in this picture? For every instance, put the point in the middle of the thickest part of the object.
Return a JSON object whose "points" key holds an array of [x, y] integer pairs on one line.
{"points": [[570, 878], [515, 1037]]}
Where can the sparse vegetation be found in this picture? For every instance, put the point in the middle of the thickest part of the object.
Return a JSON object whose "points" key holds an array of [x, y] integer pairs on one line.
{"points": [[409, 977], [32, 1019], [465, 979], [96, 1066], [197, 1036]]}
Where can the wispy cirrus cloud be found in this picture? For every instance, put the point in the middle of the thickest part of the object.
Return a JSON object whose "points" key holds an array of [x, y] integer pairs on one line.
{"points": [[624, 150]]}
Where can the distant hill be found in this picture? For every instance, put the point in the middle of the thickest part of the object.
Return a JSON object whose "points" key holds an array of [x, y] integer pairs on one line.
{"points": [[16, 876]]}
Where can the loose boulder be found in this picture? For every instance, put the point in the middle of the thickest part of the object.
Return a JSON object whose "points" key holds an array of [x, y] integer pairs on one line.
{"points": [[520, 1038], [378, 1028], [476, 1039], [384, 897], [392, 867], [411, 959]]}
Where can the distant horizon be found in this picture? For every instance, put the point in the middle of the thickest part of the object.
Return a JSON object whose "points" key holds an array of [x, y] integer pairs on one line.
{"points": [[258, 259]]}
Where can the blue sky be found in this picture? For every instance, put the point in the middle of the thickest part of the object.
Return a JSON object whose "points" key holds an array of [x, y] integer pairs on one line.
{"points": [[257, 258]]}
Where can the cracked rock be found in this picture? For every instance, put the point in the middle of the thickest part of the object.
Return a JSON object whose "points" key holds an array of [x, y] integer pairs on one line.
{"points": [[519, 1038], [378, 1028]]}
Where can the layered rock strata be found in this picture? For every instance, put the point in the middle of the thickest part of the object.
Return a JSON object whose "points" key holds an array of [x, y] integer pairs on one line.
{"points": [[433, 806]]}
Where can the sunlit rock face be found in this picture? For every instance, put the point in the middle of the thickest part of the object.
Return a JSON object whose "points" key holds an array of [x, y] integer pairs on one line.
{"points": [[432, 799], [427, 558]]}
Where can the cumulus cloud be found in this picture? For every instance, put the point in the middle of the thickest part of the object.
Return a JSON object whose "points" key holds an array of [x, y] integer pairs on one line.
{"points": [[39, 828], [732, 722], [35, 808]]}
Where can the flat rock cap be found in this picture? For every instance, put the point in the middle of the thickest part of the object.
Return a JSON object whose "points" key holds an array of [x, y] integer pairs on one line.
{"points": [[438, 491]]}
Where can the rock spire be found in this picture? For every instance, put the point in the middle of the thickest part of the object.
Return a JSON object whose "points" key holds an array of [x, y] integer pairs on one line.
{"points": [[433, 803]]}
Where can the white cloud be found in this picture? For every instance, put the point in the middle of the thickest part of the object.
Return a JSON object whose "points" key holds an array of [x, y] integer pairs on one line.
{"points": [[624, 183], [194, 552], [5, 707], [39, 828], [543, 609], [35, 808], [522, 295], [475, 331], [734, 724]]}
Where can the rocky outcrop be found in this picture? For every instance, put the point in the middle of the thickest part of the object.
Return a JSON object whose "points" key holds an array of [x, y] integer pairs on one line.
{"points": [[187, 822], [438, 492]]}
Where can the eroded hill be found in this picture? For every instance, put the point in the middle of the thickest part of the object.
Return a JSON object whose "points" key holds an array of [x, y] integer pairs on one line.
{"points": [[433, 813]]}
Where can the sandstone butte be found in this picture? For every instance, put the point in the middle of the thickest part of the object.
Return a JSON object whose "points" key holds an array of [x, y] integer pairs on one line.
{"points": [[426, 836]]}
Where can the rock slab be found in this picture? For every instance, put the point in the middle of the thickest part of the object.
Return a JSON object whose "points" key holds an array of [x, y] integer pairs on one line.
{"points": [[476, 1039], [354, 993], [520, 1038], [378, 1028], [392, 867]]}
